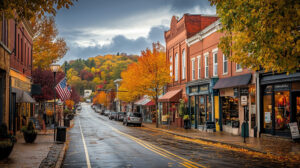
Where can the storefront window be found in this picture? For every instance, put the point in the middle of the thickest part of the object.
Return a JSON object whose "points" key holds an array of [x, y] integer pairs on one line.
{"points": [[230, 111], [282, 110], [298, 111], [267, 111]]}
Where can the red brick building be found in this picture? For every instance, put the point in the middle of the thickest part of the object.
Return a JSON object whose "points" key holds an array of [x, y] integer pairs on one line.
{"points": [[216, 84], [178, 55], [21, 107]]}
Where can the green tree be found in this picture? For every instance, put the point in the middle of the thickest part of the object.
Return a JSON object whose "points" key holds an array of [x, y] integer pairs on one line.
{"points": [[261, 33]]}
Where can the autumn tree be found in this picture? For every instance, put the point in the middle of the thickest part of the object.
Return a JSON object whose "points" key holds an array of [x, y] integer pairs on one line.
{"points": [[47, 47], [100, 98], [148, 76], [261, 33], [26, 9]]}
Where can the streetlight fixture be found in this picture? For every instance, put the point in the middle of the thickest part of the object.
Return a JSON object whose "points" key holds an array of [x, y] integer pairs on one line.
{"points": [[54, 68]]}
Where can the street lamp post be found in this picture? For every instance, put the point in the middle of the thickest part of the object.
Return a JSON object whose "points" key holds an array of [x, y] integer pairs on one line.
{"points": [[54, 68]]}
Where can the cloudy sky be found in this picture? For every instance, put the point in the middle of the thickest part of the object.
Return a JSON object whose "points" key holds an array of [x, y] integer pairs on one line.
{"points": [[99, 27]]}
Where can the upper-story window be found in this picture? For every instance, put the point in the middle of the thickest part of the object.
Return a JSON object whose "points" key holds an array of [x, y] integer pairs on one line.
{"points": [[206, 64], [199, 67], [171, 69], [238, 68], [4, 33], [176, 67], [21, 51], [193, 69], [225, 64], [183, 64], [215, 62]]}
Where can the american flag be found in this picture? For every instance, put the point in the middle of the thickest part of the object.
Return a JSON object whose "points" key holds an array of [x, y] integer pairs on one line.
{"points": [[63, 89]]}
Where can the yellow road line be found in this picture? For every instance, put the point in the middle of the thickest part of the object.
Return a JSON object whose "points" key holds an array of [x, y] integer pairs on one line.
{"points": [[85, 148], [160, 151]]}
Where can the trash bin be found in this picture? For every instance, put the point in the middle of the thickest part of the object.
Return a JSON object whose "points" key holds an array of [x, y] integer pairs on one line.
{"points": [[66, 122], [61, 134], [245, 129], [255, 131]]}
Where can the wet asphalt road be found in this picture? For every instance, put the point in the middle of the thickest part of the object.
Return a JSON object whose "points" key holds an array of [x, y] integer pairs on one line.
{"points": [[96, 141]]}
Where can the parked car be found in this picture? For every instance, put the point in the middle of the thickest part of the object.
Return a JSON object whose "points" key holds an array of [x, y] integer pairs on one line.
{"points": [[102, 111], [112, 115], [120, 116], [133, 118], [79, 108], [106, 113]]}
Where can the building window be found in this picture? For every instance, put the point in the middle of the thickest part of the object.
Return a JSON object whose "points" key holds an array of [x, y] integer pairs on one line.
{"points": [[183, 64], [176, 67], [18, 47], [193, 69], [4, 33], [171, 69], [199, 67], [215, 62], [21, 46], [238, 67], [225, 64], [206, 65]]}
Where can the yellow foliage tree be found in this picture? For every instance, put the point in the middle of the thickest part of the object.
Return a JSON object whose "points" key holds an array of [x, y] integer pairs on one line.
{"points": [[100, 98], [261, 33], [47, 47], [146, 77]]}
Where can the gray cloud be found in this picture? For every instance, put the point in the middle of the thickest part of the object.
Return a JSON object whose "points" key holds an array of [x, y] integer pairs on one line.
{"points": [[119, 44]]}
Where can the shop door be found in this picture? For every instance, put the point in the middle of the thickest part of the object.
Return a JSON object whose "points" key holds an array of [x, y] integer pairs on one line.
{"points": [[201, 116], [296, 108], [193, 109]]}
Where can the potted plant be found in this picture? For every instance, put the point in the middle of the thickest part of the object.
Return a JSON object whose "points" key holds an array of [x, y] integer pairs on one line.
{"points": [[29, 132], [7, 142]]}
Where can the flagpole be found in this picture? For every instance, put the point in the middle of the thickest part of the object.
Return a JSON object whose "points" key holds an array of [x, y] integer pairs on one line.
{"points": [[54, 106]]}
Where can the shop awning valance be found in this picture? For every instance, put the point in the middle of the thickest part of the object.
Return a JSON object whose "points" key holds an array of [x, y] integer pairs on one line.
{"points": [[234, 81], [143, 101], [150, 103], [171, 96], [280, 78], [22, 96]]}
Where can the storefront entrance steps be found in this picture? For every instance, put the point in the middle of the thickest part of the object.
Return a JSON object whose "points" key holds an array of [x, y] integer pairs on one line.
{"points": [[278, 148]]}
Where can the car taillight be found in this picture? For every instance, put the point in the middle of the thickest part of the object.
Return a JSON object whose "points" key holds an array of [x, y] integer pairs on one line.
{"points": [[128, 118]]}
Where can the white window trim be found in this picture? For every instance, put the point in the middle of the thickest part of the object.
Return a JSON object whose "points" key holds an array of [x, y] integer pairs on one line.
{"points": [[238, 70], [206, 64], [193, 69], [215, 51], [199, 67], [183, 64], [225, 73], [176, 67]]}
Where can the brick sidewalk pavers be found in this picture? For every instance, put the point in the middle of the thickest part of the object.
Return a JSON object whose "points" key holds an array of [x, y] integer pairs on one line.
{"points": [[29, 155]]}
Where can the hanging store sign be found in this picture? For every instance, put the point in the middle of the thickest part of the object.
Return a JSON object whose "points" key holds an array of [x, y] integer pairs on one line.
{"points": [[244, 100], [204, 88], [194, 89]]}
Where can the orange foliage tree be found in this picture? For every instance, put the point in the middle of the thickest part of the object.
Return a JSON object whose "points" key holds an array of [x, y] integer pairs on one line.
{"points": [[146, 77], [100, 98]]}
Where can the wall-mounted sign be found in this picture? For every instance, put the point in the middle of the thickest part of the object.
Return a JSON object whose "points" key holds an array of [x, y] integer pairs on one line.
{"points": [[244, 91], [194, 89], [280, 87], [204, 88]]}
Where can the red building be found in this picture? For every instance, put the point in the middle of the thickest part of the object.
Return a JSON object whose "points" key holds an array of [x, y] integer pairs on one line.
{"points": [[21, 107], [178, 55], [216, 84]]}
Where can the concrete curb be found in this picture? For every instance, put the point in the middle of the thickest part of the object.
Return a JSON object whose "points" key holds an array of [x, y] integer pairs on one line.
{"points": [[214, 141], [61, 156]]}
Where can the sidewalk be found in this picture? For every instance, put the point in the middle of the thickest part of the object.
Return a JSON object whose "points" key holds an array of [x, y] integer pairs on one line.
{"points": [[279, 148], [29, 155]]}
